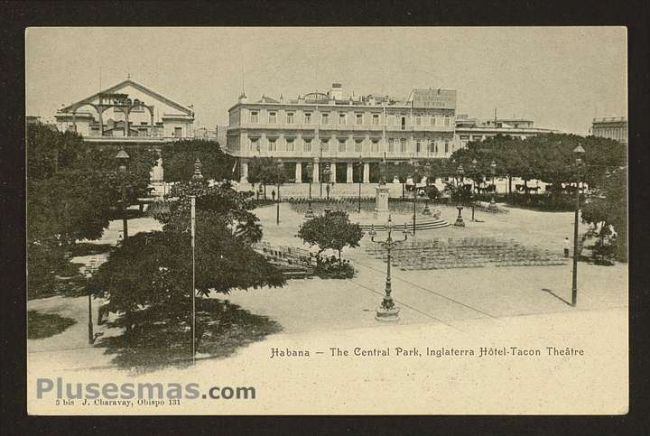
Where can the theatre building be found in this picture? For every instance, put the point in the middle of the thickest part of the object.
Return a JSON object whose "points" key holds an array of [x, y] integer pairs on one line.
{"points": [[127, 115], [340, 137]]}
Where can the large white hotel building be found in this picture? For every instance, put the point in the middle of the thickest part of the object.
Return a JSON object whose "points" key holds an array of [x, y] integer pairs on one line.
{"points": [[345, 137]]}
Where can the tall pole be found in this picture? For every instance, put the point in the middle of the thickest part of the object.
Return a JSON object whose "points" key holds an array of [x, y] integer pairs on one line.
{"points": [[359, 196], [415, 197], [579, 151], [277, 208], [125, 225], [193, 221], [360, 176], [574, 281], [310, 212], [91, 335]]}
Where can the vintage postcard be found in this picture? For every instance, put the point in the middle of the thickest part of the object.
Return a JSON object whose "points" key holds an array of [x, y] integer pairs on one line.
{"points": [[327, 220]]}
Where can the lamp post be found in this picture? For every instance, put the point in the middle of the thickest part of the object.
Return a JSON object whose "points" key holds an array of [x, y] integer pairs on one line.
{"points": [[360, 177], [493, 170], [387, 310], [321, 169], [474, 162], [123, 159], [415, 165], [579, 152], [310, 212], [279, 168], [91, 272], [461, 173]]}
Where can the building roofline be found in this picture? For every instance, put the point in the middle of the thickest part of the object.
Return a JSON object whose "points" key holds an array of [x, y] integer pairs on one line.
{"points": [[136, 85]]}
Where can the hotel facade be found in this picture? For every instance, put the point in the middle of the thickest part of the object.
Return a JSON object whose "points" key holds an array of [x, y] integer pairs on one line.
{"points": [[341, 138]]}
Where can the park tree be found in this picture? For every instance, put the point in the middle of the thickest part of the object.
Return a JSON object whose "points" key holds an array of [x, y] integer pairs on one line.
{"points": [[606, 212], [154, 270], [178, 160], [547, 157], [331, 231], [266, 171], [73, 189]]}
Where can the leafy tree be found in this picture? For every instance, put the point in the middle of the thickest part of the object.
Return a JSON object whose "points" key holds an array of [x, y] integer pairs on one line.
{"points": [[331, 231], [48, 151], [606, 212], [459, 194], [73, 189], [179, 157], [70, 205], [266, 171], [154, 270], [547, 157]]}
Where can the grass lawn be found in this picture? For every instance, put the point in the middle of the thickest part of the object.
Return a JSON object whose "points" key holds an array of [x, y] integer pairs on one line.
{"points": [[43, 325]]}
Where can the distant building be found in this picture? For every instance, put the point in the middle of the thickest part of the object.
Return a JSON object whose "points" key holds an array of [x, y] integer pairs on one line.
{"points": [[339, 136], [472, 129], [127, 113], [612, 127], [131, 115]]}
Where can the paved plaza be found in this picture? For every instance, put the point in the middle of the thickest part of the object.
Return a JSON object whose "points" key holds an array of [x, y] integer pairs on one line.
{"points": [[440, 296], [463, 300]]}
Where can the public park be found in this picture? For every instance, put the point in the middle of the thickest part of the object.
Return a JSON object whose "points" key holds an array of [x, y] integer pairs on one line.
{"points": [[504, 229]]}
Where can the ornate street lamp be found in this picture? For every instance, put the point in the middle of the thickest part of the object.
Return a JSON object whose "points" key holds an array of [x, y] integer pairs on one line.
{"points": [[122, 158], [578, 152], [493, 170], [461, 174], [387, 310]]}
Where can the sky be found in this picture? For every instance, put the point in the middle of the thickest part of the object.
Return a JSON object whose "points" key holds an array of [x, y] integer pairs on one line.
{"points": [[560, 77]]}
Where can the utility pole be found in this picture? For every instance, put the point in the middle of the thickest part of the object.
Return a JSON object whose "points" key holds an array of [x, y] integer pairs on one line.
{"points": [[193, 221]]}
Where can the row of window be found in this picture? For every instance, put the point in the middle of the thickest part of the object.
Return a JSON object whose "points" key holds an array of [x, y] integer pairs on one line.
{"points": [[290, 118], [400, 145]]}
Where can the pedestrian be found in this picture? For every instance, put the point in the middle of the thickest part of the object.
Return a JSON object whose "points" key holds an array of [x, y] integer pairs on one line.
{"points": [[566, 247]]}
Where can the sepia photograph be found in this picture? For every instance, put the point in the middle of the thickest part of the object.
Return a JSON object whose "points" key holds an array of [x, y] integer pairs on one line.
{"points": [[327, 220]]}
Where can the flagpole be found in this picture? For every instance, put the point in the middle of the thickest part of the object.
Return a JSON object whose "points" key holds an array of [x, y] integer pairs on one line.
{"points": [[193, 220]]}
